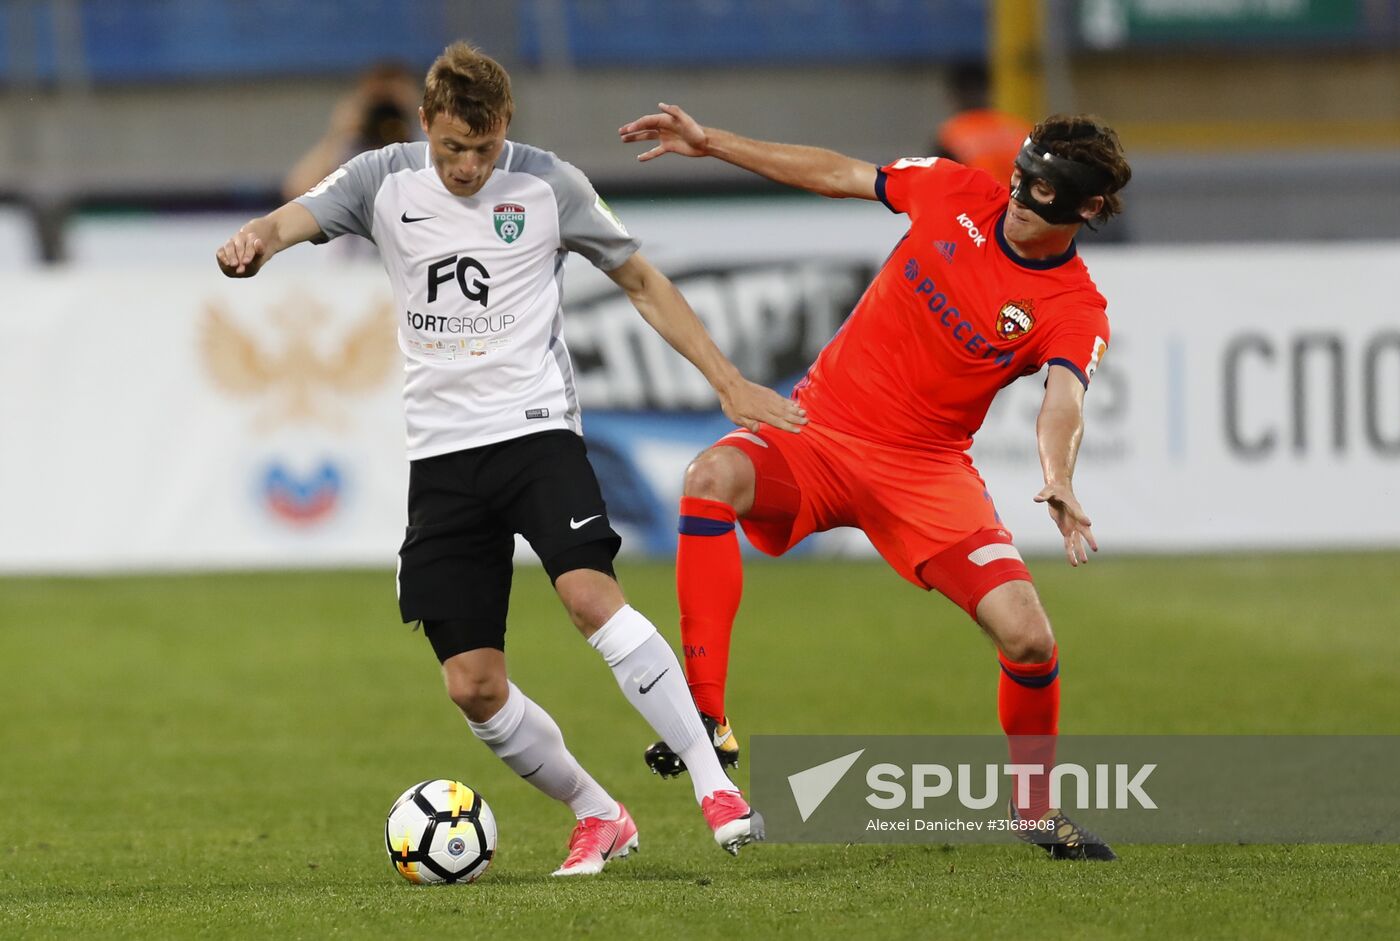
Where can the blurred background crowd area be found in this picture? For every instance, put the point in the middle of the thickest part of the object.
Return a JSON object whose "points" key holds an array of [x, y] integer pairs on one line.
{"points": [[1246, 120], [1255, 354]]}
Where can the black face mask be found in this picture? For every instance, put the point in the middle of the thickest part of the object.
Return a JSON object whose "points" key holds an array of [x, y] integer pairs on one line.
{"points": [[1073, 183]]}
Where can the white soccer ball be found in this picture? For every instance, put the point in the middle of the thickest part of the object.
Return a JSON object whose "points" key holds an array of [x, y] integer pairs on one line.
{"points": [[440, 831]]}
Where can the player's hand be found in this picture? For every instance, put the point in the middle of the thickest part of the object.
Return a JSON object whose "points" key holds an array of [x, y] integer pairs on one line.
{"points": [[1073, 522], [749, 405], [674, 131], [242, 255]]}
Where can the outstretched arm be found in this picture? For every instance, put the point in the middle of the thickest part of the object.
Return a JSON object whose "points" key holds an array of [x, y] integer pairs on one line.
{"points": [[251, 247], [667, 312], [810, 168], [1058, 431]]}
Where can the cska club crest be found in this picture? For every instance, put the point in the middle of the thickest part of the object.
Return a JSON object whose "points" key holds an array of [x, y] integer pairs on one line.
{"points": [[1015, 320], [509, 219]]}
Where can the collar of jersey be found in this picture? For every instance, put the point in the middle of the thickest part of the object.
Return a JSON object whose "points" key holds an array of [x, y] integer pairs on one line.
{"points": [[1041, 264]]}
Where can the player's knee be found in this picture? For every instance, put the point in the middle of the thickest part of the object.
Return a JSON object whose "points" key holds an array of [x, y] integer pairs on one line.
{"points": [[589, 597], [589, 614], [1013, 617], [1030, 641], [717, 474], [479, 695]]}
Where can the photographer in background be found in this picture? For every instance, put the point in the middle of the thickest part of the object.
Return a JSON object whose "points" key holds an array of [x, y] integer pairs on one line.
{"points": [[382, 110]]}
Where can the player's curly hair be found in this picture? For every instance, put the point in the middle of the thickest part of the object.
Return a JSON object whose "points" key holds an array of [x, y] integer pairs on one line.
{"points": [[469, 85], [1085, 139]]}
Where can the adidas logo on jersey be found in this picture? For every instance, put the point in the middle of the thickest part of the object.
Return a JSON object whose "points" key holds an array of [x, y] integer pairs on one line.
{"points": [[973, 232], [946, 249]]}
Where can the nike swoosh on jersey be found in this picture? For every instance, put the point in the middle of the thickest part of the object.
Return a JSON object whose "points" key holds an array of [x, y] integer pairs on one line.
{"points": [[582, 523], [407, 218]]}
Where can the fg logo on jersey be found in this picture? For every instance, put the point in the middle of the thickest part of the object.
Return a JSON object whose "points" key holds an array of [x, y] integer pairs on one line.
{"points": [[444, 270], [509, 219]]}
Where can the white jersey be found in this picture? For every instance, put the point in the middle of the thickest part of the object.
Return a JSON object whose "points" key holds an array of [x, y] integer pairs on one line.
{"points": [[477, 284]]}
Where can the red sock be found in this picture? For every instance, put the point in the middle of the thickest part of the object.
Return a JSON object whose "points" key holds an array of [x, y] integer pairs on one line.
{"points": [[1028, 702], [709, 582]]}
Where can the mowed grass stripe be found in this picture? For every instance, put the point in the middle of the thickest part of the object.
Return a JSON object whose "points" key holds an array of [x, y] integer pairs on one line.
{"points": [[213, 755]]}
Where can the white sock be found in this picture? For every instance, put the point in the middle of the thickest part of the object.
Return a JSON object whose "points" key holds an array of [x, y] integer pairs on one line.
{"points": [[524, 736], [652, 680]]}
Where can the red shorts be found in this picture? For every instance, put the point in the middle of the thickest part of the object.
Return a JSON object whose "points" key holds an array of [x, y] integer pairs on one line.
{"points": [[927, 513]]}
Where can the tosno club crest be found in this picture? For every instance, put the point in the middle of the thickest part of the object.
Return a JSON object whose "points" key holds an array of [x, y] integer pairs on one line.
{"points": [[1015, 319], [509, 219]]}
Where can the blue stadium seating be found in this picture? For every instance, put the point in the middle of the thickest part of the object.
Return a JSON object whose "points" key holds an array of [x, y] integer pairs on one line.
{"points": [[165, 40]]}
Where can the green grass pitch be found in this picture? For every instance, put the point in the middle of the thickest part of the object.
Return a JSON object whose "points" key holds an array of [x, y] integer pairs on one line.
{"points": [[213, 756]]}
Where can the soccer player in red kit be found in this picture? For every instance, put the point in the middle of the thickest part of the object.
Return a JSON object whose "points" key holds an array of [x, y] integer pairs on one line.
{"points": [[985, 287]]}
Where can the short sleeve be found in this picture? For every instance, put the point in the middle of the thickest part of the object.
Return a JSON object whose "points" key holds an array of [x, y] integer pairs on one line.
{"points": [[587, 224], [343, 203], [912, 185], [904, 184], [1078, 342]]}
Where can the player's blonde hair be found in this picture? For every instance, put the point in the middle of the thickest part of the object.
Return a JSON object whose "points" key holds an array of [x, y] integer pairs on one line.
{"points": [[469, 85]]}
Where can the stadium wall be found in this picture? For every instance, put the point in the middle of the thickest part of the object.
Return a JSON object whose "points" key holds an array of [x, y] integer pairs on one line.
{"points": [[158, 416]]}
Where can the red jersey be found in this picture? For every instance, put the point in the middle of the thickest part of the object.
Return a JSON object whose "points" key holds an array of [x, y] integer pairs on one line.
{"points": [[953, 316]]}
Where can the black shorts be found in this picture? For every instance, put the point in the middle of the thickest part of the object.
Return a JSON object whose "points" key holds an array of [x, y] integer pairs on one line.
{"points": [[464, 509]]}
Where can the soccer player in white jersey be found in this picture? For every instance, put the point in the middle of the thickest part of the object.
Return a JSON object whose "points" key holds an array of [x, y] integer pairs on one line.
{"points": [[473, 230]]}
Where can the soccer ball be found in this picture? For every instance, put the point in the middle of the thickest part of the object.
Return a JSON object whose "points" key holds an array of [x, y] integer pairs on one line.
{"points": [[440, 831]]}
